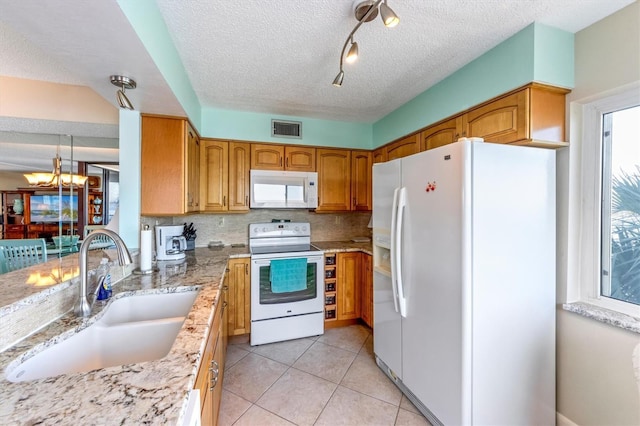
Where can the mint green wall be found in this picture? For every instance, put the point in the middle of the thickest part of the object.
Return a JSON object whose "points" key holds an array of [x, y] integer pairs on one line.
{"points": [[251, 126], [537, 53], [146, 20], [554, 58], [129, 158]]}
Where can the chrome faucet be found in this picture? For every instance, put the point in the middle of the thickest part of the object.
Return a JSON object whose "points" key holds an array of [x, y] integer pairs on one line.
{"points": [[82, 307]]}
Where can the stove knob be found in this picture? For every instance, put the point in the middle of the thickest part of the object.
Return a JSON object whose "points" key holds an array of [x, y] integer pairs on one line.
{"points": [[297, 228], [264, 229], [304, 228]]}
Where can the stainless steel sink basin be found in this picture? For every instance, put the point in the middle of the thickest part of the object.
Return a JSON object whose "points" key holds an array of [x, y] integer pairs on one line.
{"points": [[133, 329]]}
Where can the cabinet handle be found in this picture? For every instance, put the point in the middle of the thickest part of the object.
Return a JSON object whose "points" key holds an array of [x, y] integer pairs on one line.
{"points": [[354, 202], [286, 163], [224, 200], [246, 269], [226, 287], [280, 161], [246, 200], [215, 372]]}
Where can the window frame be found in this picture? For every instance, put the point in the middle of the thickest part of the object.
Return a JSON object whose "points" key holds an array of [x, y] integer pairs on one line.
{"points": [[589, 247]]}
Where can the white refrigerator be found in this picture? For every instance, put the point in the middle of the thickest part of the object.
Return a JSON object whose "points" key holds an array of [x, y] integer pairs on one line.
{"points": [[464, 282]]}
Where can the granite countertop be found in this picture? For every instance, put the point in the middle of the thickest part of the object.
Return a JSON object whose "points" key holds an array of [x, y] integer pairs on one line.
{"points": [[343, 246], [154, 392]]}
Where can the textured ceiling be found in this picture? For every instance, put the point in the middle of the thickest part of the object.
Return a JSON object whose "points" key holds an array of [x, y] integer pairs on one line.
{"points": [[281, 56], [278, 56]]}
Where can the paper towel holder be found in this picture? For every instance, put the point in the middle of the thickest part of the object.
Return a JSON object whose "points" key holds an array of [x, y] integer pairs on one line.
{"points": [[139, 271]]}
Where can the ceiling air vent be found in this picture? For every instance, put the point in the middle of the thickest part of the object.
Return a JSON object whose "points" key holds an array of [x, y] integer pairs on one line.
{"points": [[286, 129]]}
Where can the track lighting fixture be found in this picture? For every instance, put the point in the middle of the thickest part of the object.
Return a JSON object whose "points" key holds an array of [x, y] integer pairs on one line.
{"points": [[365, 11], [123, 83]]}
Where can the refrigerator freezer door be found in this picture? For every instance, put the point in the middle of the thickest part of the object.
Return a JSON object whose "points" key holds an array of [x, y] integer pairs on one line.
{"points": [[432, 332], [386, 320], [386, 178]]}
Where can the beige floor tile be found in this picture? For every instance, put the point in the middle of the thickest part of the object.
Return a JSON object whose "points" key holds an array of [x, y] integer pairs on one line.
{"points": [[408, 405], [327, 362], [348, 338], [297, 396], [256, 416], [285, 352], [364, 376], [347, 407], [231, 408], [407, 418], [367, 348], [234, 354], [252, 375]]}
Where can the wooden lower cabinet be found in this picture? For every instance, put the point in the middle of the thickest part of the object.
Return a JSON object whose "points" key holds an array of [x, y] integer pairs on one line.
{"points": [[239, 296], [211, 370], [348, 283], [366, 290]]}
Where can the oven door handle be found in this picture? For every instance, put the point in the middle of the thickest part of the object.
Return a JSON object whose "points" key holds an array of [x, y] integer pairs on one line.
{"points": [[261, 262]]}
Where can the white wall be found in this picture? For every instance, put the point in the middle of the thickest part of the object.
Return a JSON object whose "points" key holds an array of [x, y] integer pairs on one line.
{"points": [[595, 379]]}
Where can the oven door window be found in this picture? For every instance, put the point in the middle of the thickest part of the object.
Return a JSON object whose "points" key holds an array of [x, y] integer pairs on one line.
{"points": [[267, 297]]}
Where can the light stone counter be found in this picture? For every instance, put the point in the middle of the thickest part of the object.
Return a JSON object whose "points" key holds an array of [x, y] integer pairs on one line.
{"points": [[154, 392], [343, 246]]}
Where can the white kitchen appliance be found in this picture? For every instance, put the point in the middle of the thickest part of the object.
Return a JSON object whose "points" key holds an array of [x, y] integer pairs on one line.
{"points": [[287, 282], [170, 244], [464, 282], [275, 189]]}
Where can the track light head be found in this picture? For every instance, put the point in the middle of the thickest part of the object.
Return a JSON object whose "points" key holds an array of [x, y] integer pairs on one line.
{"points": [[338, 80], [123, 83], [388, 16], [352, 54]]}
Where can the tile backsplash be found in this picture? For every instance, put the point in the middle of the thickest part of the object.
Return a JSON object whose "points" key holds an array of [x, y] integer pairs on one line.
{"points": [[234, 228]]}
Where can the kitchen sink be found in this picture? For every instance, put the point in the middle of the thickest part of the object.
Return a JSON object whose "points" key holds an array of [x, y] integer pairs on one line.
{"points": [[132, 329]]}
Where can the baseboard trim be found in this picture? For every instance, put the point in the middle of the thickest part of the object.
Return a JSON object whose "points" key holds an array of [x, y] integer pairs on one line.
{"points": [[563, 421]]}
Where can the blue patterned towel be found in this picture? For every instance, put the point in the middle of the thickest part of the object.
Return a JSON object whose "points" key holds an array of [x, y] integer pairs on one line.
{"points": [[288, 275]]}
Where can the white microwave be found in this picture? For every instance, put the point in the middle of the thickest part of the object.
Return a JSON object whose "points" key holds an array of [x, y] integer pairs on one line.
{"points": [[274, 189]]}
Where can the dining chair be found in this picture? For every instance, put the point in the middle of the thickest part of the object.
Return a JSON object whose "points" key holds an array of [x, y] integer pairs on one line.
{"points": [[66, 243], [18, 254], [101, 241]]}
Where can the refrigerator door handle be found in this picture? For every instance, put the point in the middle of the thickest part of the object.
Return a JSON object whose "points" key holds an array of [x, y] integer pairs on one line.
{"points": [[401, 204], [394, 265]]}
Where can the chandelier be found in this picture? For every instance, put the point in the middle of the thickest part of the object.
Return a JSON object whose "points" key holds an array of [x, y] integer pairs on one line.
{"points": [[56, 178]]}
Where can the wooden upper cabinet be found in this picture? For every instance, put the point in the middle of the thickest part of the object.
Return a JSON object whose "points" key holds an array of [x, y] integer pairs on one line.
{"points": [[224, 176], [403, 147], [239, 164], [214, 185], [380, 155], [300, 158], [166, 177], [281, 157], [534, 116], [441, 134], [193, 170], [334, 179], [502, 121], [267, 156], [361, 180]]}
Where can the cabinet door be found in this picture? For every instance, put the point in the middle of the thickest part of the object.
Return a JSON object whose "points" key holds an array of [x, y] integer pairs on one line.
{"points": [[239, 155], [162, 174], [366, 292], [504, 120], [348, 285], [239, 297], [361, 180], [402, 148], [267, 157], [380, 155], [300, 158], [193, 170], [214, 158], [441, 134], [334, 180]]}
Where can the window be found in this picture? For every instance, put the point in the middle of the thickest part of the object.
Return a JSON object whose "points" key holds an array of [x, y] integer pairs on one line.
{"points": [[620, 242], [604, 210]]}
